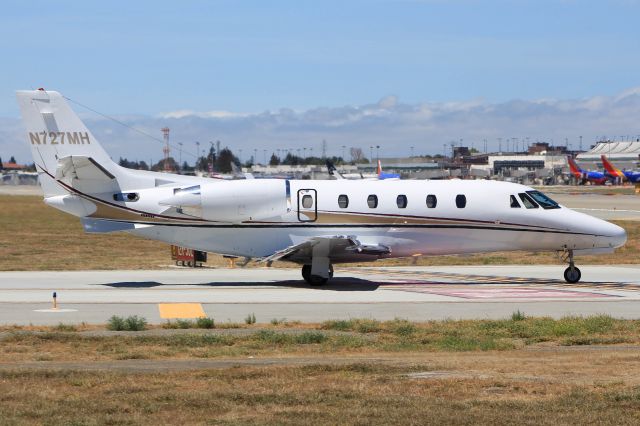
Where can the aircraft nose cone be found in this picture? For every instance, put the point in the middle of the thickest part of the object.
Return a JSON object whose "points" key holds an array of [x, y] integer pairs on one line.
{"points": [[617, 235]]}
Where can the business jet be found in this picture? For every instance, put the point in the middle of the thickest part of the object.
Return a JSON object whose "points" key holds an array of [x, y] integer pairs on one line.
{"points": [[313, 223]]}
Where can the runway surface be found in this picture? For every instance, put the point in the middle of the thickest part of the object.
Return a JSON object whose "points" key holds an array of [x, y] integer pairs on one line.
{"points": [[415, 293]]}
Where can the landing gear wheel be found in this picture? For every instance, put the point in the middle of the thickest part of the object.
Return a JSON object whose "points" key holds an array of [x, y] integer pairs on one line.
{"points": [[572, 274], [315, 279], [306, 273]]}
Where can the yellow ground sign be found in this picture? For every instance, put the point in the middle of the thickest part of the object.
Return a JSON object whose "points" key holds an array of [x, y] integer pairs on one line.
{"points": [[181, 310]]}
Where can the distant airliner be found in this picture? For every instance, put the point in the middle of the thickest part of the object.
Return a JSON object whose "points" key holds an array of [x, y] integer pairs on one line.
{"points": [[313, 223], [584, 176], [628, 175]]}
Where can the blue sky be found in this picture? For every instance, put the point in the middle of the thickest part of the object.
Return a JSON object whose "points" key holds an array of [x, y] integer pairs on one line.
{"points": [[151, 57]]}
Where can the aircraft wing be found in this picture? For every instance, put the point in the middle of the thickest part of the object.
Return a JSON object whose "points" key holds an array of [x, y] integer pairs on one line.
{"points": [[340, 249]]}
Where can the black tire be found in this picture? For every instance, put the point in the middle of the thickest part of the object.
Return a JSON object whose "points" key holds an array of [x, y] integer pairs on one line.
{"points": [[306, 273], [572, 275], [317, 280]]}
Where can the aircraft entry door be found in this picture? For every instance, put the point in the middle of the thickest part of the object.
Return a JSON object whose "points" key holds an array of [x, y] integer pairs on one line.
{"points": [[307, 205]]}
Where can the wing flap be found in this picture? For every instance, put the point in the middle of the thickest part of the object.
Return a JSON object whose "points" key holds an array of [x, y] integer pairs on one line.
{"points": [[341, 249]]}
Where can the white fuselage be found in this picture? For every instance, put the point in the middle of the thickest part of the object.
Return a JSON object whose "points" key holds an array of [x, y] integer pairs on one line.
{"points": [[255, 218]]}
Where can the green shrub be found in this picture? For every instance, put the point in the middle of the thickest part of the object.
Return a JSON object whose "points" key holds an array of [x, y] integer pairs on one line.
{"points": [[401, 327], [131, 323], [309, 337], [269, 336], [65, 327], [183, 323], [367, 325], [115, 323], [518, 316], [250, 319], [340, 325], [135, 323], [205, 322]]}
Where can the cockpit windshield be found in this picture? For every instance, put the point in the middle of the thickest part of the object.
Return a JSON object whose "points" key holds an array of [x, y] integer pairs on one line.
{"points": [[544, 201]]}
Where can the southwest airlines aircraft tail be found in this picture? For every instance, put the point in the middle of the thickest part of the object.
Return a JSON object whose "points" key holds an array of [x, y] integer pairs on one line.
{"points": [[315, 223], [583, 176], [628, 175]]}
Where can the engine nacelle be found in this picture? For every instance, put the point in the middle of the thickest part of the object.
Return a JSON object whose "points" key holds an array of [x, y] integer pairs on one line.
{"points": [[243, 200], [232, 201]]}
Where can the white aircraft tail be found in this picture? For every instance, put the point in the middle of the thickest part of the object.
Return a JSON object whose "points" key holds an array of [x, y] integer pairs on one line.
{"points": [[56, 136]]}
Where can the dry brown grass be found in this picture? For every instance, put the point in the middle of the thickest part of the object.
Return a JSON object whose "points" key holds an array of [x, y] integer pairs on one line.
{"points": [[38, 237], [511, 388], [366, 374]]}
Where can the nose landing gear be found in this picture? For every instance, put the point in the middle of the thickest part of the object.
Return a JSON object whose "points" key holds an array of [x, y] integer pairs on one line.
{"points": [[572, 274]]}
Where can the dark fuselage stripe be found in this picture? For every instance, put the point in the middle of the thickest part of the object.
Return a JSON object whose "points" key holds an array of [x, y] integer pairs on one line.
{"points": [[355, 227]]}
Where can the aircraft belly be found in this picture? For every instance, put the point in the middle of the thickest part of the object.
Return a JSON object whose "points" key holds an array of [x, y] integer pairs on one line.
{"points": [[264, 241], [223, 240]]}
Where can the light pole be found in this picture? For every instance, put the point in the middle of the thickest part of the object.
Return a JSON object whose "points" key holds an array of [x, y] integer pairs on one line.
{"points": [[343, 148], [211, 159], [264, 156], [197, 153], [411, 151], [378, 152], [371, 153], [180, 156]]}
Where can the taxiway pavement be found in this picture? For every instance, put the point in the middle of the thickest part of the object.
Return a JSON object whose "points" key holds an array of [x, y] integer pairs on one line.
{"points": [[414, 293]]}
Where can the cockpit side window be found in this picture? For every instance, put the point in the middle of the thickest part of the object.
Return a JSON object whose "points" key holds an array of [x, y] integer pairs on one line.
{"points": [[514, 202], [544, 201], [527, 201]]}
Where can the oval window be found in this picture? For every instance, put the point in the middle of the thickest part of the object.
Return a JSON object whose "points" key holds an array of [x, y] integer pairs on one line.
{"points": [[307, 201], [432, 201], [343, 201], [372, 201], [461, 201], [401, 201]]}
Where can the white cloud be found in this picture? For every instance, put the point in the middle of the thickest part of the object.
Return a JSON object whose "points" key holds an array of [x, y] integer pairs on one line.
{"points": [[393, 125]]}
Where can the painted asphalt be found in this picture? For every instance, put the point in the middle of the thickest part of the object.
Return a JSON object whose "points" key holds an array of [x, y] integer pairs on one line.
{"points": [[415, 293]]}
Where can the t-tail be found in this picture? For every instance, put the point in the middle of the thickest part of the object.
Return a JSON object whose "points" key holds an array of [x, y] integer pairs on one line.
{"points": [[74, 170], [57, 136]]}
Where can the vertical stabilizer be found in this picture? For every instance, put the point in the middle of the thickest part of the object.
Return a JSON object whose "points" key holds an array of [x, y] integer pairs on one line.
{"points": [[610, 168], [53, 132]]}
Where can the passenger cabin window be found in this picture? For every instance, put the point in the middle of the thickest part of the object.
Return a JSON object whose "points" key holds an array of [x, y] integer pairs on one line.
{"points": [[527, 201], [544, 201], [343, 201], [372, 201], [401, 201], [432, 201], [461, 201], [307, 201], [514, 202]]}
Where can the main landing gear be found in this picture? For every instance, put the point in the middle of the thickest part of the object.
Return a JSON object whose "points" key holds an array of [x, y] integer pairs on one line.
{"points": [[316, 279], [572, 274]]}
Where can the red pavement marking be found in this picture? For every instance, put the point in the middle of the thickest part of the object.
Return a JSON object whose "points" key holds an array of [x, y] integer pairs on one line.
{"points": [[509, 293]]}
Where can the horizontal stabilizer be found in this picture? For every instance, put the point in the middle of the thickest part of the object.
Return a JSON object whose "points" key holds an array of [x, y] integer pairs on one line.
{"points": [[85, 174]]}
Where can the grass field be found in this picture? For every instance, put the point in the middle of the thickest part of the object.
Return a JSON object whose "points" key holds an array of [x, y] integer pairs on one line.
{"points": [[514, 371], [38, 237]]}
